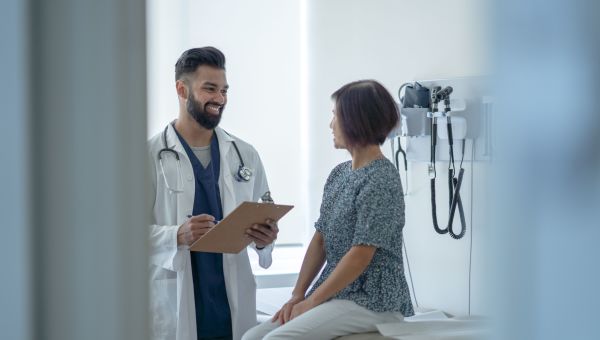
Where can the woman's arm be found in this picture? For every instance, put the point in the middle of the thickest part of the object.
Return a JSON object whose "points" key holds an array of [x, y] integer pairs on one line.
{"points": [[354, 263], [311, 265]]}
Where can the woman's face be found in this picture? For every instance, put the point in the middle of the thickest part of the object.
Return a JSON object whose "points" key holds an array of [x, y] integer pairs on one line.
{"points": [[338, 135]]}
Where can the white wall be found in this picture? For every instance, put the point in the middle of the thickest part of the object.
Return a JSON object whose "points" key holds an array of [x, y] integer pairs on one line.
{"points": [[395, 42]]}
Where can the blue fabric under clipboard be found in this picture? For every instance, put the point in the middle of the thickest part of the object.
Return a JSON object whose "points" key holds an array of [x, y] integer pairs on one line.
{"points": [[213, 316]]}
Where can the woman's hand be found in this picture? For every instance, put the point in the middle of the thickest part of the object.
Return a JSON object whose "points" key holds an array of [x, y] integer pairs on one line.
{"points": [[302, 307], [283, 315]]}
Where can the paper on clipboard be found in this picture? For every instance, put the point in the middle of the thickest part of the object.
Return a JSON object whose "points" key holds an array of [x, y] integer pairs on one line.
{"points": [[229, 235]]}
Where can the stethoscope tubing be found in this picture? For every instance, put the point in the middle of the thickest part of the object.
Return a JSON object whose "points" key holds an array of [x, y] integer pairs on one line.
{"points": [[243, 174]]}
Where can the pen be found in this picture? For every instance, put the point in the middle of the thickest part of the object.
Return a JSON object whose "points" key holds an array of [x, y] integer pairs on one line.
{"points": [[215, 221]]}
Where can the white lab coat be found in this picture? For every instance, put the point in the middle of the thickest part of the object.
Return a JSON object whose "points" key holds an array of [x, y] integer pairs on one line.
{"points": [[173, 313]]}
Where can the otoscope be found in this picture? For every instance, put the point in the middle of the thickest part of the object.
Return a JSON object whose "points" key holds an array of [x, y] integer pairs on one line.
{"points": [[445, 95], [434, 110]]}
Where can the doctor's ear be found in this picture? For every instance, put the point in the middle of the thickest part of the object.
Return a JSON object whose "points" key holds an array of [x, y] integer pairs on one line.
{"points": [[182, 88]]}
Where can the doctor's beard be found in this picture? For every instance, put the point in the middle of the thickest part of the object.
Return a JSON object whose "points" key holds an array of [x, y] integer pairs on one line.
{"points": [[198, 112]]}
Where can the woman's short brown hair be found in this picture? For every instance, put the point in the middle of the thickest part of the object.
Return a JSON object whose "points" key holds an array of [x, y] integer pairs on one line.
{"points": [[366, 111]]}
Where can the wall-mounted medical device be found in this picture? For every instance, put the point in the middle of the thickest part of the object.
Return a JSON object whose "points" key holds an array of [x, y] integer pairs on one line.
{"points": [[438, 118], [471, 111]]}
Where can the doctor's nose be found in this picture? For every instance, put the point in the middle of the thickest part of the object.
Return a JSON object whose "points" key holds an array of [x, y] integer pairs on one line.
{"points": [[221, 98]]}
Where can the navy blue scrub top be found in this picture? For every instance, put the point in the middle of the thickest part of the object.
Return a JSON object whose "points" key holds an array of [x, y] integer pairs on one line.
{"points": [[213, 317]]}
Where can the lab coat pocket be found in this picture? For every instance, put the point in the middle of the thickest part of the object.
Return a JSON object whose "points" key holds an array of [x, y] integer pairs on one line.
{"points": [[163, 296], [243, 190]]}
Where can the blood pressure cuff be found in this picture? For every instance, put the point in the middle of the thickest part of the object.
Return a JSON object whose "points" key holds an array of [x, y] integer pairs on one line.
{"points": [[415, 96]]}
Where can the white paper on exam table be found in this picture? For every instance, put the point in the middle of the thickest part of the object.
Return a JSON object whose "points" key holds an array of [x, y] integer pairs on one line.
{"points": [[429, 315], [458, 335], [433, 329]]}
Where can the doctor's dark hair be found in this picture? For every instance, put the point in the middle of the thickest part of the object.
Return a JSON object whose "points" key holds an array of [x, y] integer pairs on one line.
{"points": [[366, 112], [189, 60]]}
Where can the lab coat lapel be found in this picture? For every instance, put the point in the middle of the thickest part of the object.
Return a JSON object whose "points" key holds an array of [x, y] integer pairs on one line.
{"points": [[173, 141], [185, 201], [228, 200]]}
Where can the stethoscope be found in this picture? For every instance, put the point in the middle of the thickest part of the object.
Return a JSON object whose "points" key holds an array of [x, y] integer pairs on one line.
{"points": [[243, 173]]}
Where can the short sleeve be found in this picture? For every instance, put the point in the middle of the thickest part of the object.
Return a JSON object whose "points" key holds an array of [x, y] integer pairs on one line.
{"points": [[380, 215], [319, 225]]}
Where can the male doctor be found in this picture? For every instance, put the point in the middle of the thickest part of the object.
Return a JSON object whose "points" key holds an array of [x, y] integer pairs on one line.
{"points": [[200, 173]]}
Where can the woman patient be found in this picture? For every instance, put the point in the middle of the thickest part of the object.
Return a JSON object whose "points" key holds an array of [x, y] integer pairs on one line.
{"points": [[358, 234]]}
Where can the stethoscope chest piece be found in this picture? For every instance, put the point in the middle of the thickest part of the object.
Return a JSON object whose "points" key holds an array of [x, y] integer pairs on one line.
{"points": [[243, 174]]}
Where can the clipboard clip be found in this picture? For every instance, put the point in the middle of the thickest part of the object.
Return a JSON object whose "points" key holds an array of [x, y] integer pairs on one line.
{"points": [[266, 197]]}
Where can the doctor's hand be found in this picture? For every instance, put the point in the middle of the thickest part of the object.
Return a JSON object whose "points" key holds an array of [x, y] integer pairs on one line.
{"points": [[284, 314], [263, 234], [194, 228]]}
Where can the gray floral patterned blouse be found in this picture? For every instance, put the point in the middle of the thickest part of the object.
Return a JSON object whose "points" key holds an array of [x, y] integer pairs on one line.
{"points": [[366, 207]]}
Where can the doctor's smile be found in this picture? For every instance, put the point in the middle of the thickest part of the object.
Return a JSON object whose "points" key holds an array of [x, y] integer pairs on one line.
{"points": [[214, 109]]}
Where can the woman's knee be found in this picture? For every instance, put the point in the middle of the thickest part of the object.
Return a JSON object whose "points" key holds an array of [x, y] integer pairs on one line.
{"points": [[288, 331], [258, 332], [252, 334]]}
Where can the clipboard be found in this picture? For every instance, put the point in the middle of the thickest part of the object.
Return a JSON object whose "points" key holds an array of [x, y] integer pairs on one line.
{"points": [[229, 235]]}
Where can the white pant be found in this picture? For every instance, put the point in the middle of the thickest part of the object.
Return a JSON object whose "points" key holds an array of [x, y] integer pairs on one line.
{"points": [[326, 321]]}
